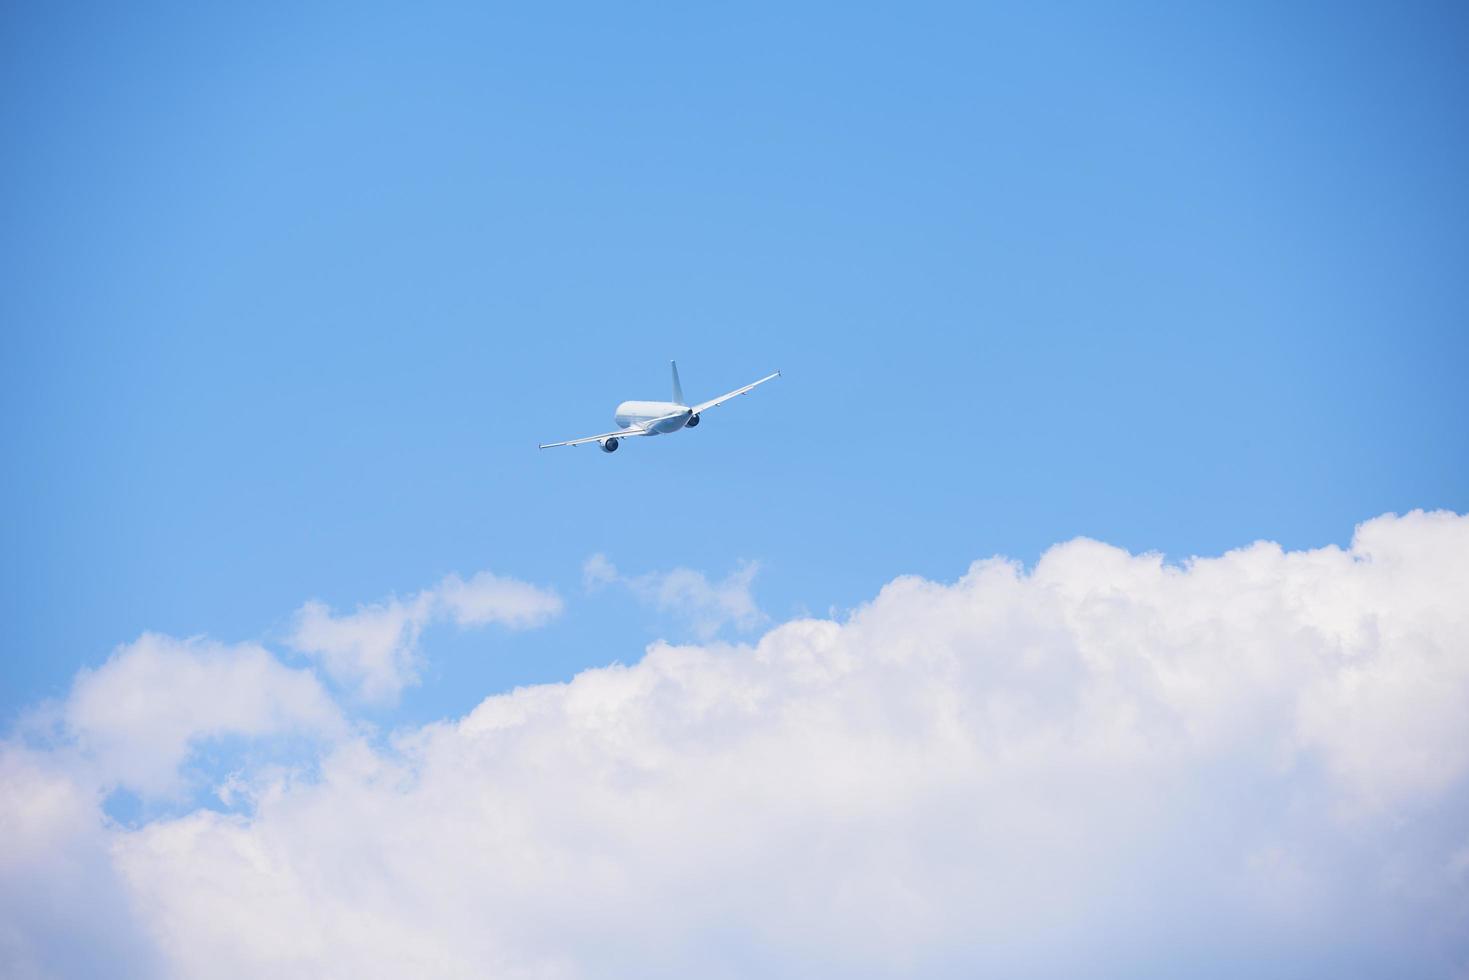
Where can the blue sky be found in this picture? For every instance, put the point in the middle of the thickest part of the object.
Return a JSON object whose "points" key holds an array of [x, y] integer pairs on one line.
{"points": [[292, 296]]}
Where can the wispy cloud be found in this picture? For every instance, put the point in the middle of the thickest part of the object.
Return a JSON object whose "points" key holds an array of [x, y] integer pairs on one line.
{"points": [[705, 607], [374, 650]]}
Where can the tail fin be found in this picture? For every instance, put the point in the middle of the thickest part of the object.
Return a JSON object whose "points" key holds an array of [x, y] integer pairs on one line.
{"points": [[677, 388]]}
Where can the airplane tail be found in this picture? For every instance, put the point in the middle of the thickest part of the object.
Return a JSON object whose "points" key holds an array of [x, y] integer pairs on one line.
{"points": [[677, 388]]}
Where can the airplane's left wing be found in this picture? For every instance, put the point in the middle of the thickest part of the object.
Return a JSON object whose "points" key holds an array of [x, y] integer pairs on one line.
{"points": [[636, 430], [641, 429], [732, 394]]}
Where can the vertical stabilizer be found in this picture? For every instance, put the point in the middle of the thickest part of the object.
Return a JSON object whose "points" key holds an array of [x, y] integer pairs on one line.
{"points": [[677, 388]]}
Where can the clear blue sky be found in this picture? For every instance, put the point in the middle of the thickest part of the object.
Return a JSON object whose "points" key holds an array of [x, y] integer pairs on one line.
{"points": [[289, 299]]}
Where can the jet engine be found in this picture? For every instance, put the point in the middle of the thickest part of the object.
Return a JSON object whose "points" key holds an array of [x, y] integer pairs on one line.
{"points": [[609, 445], [693, 421]]}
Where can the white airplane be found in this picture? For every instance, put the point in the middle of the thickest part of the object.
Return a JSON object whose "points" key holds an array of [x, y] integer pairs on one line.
{"points": [[656, 418]]}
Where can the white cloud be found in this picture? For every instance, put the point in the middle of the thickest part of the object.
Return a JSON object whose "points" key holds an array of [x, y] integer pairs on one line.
{"points": [[1252, 764], [134, 719], [487, 598], [64, 909], [374, 651], [130, 723], [598, 571], [688, 595]]}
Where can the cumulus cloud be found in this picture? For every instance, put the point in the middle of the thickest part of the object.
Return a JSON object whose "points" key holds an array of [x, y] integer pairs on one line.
{"points": [[64, 909], [705, 606], [134, 719], [374, 650], [129, 724], [1106, 765]]}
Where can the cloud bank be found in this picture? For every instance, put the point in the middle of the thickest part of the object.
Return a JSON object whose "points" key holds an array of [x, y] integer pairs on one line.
{"points": [[1106, 766]]}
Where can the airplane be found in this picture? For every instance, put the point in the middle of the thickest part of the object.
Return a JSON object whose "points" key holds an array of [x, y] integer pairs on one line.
{"points": [[656, 418]]}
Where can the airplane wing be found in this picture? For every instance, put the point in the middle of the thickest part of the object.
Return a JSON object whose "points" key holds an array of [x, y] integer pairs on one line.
{"points": [[641, 429], [738, 391], [636, 430]]}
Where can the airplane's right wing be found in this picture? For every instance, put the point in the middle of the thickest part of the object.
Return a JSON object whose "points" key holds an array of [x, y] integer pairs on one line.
{"points": [[728, 395]]}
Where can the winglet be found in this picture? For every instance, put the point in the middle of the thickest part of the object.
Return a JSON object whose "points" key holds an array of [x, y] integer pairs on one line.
{"points": [[677, 388]]}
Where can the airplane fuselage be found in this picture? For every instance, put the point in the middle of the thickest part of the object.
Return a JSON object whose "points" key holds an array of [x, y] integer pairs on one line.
{"points": [[637, 413]]}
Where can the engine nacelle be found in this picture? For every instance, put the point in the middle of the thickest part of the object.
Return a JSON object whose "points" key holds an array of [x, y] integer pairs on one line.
{"points": [[609, 445], [693, 421]]}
